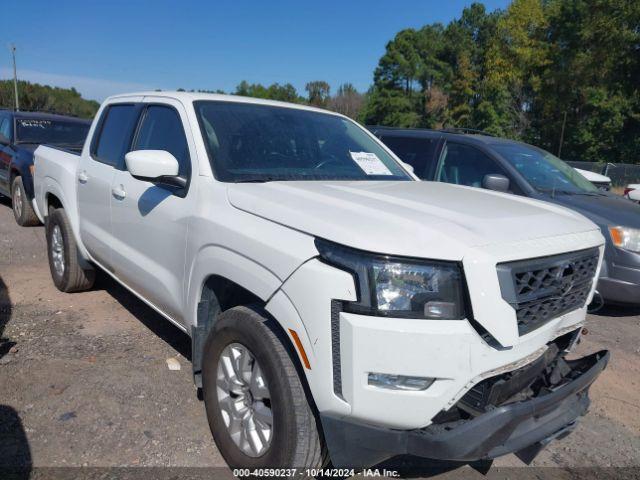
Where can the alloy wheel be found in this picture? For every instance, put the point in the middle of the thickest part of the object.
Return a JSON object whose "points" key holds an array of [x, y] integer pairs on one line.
{"points": [[17, 201], [57, 250], [244, 400]]}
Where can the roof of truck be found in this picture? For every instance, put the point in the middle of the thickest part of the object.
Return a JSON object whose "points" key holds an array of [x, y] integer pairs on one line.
{"points": [[47, 116], [195, 96], [429, 133]]}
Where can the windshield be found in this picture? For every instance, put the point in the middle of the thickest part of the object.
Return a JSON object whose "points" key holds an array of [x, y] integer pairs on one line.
{"points": [[51, 132], [543, 171], [256, 143]]}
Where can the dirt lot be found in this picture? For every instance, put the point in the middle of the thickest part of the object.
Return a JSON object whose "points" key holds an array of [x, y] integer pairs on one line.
{"points": [[84, 383]]}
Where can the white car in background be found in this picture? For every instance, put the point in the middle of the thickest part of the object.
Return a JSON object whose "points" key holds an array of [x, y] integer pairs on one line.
{"points": [[632, 192], [601, 181]]}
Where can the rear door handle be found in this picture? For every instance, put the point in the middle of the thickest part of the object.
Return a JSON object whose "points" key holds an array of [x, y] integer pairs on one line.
{"points": [[83, 177], [118, 192]]}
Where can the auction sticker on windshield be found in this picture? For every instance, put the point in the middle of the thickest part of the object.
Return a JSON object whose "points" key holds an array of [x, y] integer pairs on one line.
{"points": [[370, 163]]}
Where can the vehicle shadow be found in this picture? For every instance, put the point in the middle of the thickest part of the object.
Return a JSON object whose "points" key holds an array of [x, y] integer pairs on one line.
{"points": [[408, 466], [155, 322], [151, 198], [15, 453], [609, 310], [5, 316]]}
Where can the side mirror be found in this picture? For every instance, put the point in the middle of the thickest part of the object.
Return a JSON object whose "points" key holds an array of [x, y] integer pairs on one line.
{"points": [[496, 182], [158, 166]]}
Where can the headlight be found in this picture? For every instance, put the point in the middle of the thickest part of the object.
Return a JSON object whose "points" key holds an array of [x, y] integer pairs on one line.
{"points": [[625, 237], [399, 287]]}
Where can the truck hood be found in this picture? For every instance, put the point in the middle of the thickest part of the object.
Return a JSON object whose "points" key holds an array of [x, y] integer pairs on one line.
{"points": [[419, 219]]}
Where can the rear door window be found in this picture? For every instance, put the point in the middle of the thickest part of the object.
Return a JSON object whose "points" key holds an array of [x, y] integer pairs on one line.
{"points": [[117, 125], [417, 152]]}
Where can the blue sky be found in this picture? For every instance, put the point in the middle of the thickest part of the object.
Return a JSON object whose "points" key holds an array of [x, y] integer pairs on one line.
{"points": [[109, 47]]}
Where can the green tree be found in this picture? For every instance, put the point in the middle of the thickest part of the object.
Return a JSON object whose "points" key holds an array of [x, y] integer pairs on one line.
{"points": [[590, 87], [36, 97], [516, 55], [432, 76], [318, 93], [390, 107], [275, 91], [399, 66]]}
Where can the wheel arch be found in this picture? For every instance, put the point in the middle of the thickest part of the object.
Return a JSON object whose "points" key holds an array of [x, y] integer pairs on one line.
{"points": [[19, 167], [52, 200], [13, 173], [53, 196], [219, 279], [237, 281], [210, 307]]}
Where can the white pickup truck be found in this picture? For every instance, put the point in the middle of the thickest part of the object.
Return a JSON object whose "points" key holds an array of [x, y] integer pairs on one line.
{"points": [[338, 308]]}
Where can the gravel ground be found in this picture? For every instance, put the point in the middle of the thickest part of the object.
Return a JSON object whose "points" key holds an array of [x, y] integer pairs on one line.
{"points": [[84, 383]]}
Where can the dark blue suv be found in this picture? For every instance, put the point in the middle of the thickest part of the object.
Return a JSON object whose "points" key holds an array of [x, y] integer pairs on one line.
{"points": [[20, 134], [505, 165]]}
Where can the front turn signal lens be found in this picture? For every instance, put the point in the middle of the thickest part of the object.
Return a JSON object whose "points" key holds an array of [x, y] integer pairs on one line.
{"points": [[626, 238], [300, 347], [616, 236]]}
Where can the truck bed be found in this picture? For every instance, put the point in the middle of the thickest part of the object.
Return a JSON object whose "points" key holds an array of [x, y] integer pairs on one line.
{"points": [[55, 172], [74, 150]]}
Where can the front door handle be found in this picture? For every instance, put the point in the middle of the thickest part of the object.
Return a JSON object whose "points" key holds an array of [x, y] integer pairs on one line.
{"points": [[83, 177], [118, 192]]}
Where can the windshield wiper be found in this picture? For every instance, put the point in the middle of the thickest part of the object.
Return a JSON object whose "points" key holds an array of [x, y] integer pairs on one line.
{"points": [[588, 194], [556, 191], [257, 179]]}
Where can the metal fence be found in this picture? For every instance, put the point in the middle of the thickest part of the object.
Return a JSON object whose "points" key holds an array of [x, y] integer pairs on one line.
{"points": [[621, 174]]}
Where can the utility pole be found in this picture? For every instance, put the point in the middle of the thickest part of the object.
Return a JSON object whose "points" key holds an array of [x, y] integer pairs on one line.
{"points": [[15, 77], [564, 122]]}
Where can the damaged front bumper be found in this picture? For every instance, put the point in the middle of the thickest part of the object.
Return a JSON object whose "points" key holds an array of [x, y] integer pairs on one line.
{"points": [[522, 427]]}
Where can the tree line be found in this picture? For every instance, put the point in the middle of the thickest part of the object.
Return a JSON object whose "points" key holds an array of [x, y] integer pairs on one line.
{"points": [[36, 97], [560, 74], [347, 100]]}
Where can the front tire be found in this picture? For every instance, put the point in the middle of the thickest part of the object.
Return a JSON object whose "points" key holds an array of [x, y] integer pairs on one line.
{"points": [[256, 405], [22, 209], [66, 272]]}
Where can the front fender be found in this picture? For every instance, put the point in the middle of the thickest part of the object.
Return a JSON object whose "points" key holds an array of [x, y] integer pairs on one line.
{"points": [[223, 262], [318, 375]]}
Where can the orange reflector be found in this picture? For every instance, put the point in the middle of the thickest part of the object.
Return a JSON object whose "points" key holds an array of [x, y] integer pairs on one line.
{"points": [[303, 354], [616, 236]]}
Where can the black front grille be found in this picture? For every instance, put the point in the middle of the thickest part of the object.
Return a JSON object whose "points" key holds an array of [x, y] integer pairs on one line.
{"points": [[542, 289]]}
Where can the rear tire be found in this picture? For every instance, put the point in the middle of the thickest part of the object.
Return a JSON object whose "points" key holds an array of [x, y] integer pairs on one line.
{"points": [[22, 209], [66, 272], [294, 439]]}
